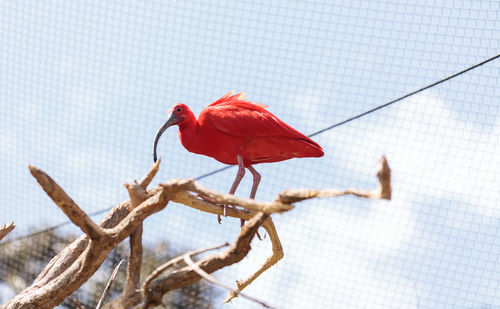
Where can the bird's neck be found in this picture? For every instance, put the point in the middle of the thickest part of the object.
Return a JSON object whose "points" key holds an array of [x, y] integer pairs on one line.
{"points": [[188, 133]]}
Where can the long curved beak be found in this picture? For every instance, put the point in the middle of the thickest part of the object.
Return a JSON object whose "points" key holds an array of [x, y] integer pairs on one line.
{"points": [[172, 119]]}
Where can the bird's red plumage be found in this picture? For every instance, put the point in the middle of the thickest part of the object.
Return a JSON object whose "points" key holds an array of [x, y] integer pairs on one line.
{"points": [[232, 126]]}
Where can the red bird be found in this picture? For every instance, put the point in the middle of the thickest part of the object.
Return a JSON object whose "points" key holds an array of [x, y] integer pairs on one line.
{"points": [[235, 131]]}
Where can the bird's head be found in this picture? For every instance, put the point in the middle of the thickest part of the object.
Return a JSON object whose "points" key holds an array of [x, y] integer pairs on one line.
{"points": [[176, 115]]}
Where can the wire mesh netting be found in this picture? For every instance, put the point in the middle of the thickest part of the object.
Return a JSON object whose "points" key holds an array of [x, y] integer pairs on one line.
{"points": [[85, 85]]}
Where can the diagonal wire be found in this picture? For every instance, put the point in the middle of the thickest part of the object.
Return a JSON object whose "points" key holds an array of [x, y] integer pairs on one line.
{"points": [[404, 97], [310, 135]]}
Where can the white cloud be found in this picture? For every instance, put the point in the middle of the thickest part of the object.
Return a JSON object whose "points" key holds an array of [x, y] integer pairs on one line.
{"points": [[431, 152], [350, 242], [331, 250], [351, 286]]}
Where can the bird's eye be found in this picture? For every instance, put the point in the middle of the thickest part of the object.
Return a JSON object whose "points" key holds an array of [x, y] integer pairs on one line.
{"points": [[178, 109]]}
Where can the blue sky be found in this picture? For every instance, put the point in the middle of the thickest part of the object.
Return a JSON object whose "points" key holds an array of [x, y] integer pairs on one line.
{"points": [[85, 85]]}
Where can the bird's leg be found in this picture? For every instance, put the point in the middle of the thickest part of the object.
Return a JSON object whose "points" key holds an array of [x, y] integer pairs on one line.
{"points": [[256, 181], [236, 182], [239, 175], [277, 255]]}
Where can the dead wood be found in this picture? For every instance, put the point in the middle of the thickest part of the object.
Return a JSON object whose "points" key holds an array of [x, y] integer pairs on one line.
{"points": [[6, 229], [75, 264]]}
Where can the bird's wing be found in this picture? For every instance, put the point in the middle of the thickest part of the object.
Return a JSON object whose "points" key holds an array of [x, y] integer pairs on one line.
{"points": [[230, 97], [246, 119]]}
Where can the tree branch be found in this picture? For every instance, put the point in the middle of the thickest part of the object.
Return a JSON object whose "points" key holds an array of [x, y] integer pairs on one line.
{"points": [[137, 193], [68, 255], [382, 192], [186, 275], [6, 229], [74, 213], [77, 262], [71, 275], [146, 180], [206, 276], [172, 262], [229, 199], [108, 285]]}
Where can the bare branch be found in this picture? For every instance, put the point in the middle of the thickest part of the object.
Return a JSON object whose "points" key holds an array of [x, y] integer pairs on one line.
{"points": [[186, 198], [297, 195], [134, 263], [67, 205], [78, 262], [137, 195], [68, 255], [146, 180], [382, 192], [130, 223], [199, 271], [250, 204], [172, 262], [63, 276], [277, 255], [108, 286], [186, 275], [384, 177], [6, 229]]}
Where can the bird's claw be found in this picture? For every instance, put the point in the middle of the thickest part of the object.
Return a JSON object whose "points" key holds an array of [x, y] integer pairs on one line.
{"points": [[224, 213], [212, 201]]}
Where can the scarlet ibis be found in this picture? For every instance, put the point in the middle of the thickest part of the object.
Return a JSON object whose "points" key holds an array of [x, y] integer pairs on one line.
{"points": [[235, 131]]}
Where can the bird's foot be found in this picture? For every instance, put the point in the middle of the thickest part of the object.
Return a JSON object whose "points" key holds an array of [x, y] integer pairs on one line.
{"points": [[224, 212], [212, 201]]}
